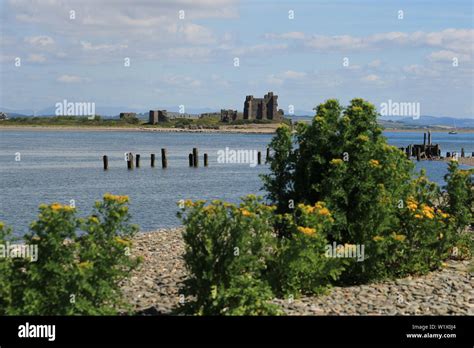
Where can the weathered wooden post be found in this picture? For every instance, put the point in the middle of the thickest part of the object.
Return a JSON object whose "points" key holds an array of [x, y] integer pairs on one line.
{"points": [[195, 157], [429, 137], [448, 154], [106, 162], [137, 160], [191, 161], [164, 160], [418, 153], [410, 150], [259, 157], [267, 158], [205, 160], [424, 138], [462, 152], [152, 159], [130, 160], [407, 151]]}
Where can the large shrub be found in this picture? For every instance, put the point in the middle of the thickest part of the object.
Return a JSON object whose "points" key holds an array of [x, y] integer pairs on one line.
{"points": [[80, 263], [342, 159]]}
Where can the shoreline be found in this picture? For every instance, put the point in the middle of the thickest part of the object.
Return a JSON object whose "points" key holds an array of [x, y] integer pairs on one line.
{"points": [[239, 129], [154, 288], [254, 129]]}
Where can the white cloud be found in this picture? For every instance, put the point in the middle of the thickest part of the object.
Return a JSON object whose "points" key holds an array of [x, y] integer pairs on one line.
{"points": [[39, 40], [446, 55], [87, 46], [371, 78], [290, 74], [70, 79], [456, 40]]}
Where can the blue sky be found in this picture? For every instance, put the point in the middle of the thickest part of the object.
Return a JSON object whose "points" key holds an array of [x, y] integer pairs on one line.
{"points": [[190, 61]]}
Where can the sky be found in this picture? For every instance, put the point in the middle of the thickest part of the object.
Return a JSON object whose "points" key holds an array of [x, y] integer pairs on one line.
{"points": [[146, 54]]}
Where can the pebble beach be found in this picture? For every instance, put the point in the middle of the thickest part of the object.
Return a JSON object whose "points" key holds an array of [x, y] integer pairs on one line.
{"points": [[153, 289]]}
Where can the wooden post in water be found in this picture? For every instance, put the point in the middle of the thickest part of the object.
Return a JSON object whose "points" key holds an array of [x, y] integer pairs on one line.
{"points": [[152, 160], [424, 138], [137, 160], [462, 152], [205, 160], [130, 160], [448, 154], [429, 137], [267, 158], [191, 161], [259, 157], [164, 160], [106, 162], [195, 157], [418, 153]]}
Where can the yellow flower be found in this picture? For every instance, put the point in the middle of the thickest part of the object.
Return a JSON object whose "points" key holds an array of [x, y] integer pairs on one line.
{"points": [[441, 236], [418, 216], [307, 230], [378, 238], [336, 161], [60, 207], [2, 225], [94, 219], [374, 163], [188, 203], [399, 237], [363, 138], [427, 211], [245, 212], [115, 198], [324, 212], [209, 209], [305, 208], [444, 215]]}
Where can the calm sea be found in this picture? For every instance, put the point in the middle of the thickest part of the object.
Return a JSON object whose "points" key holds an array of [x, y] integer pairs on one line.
{"points": [[62, 166]]}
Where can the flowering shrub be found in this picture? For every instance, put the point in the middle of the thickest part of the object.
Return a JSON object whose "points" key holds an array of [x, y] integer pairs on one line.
{"points": [[342, 159], [228, 248], [303, 264], [76, 272]]}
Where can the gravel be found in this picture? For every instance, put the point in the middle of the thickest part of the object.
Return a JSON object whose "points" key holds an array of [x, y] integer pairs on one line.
{"points": [[153, 289]]}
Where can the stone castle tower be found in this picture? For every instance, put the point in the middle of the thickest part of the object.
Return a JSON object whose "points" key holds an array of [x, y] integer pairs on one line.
{"points": [[265, 108]]}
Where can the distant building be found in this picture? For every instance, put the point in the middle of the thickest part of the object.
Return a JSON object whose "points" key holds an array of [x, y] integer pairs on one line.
{"points": [[229, 115], [153, 117], [265, 108], [128, 115], [158, 116], [3, 116]]}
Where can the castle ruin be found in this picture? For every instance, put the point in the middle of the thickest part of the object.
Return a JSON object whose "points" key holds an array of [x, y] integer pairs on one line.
{"points": [[265, 108]]}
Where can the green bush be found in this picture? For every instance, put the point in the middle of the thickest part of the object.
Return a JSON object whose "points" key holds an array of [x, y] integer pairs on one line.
{"points": [[342, 159], [227, 252], [303, 265], [77, 272]]}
